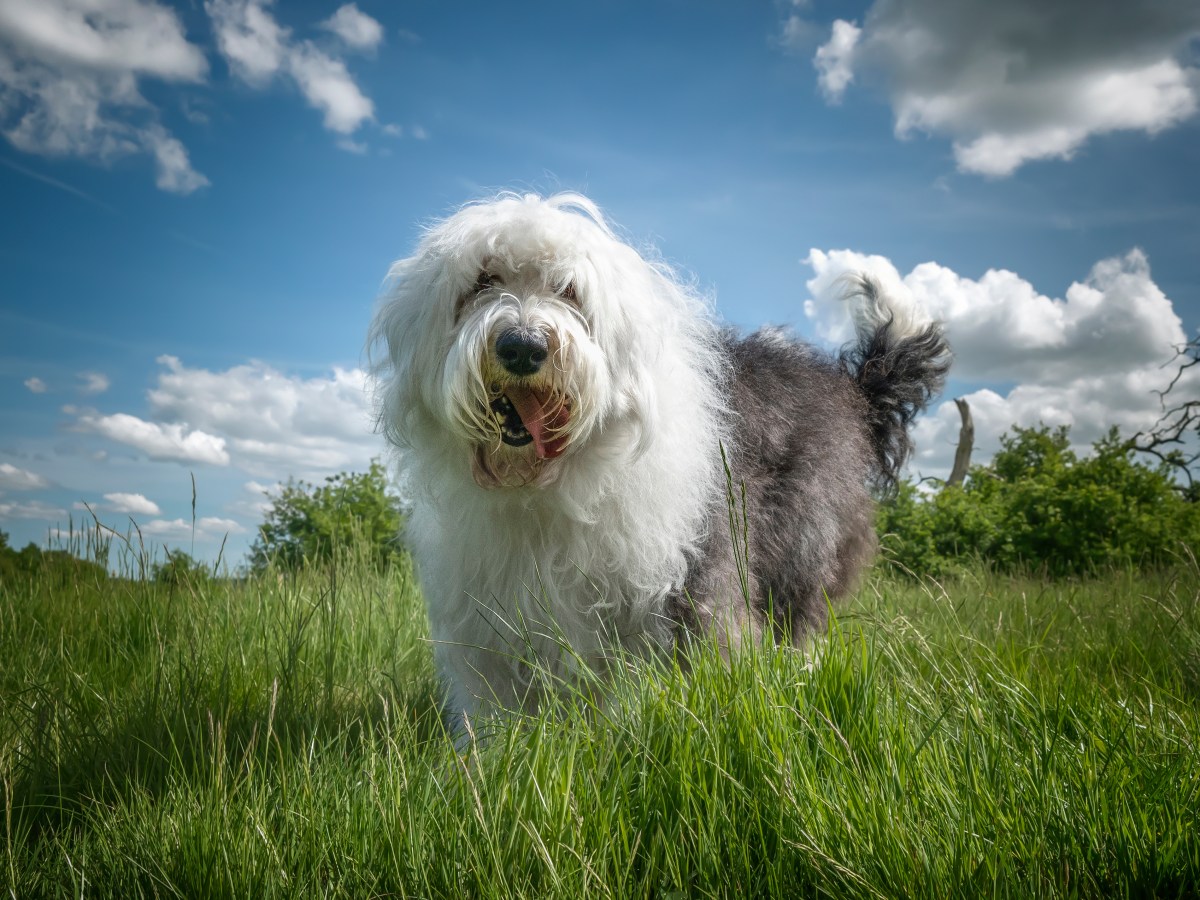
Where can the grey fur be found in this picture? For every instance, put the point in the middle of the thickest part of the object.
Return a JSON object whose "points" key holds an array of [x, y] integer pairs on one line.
{"points": [[812, 433]]}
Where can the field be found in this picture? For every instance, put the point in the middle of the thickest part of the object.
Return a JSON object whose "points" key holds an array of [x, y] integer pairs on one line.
{"points": [[279, 737]]}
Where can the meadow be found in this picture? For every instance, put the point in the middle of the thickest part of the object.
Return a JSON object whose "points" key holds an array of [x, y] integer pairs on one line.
{"points": [[279, 736]]}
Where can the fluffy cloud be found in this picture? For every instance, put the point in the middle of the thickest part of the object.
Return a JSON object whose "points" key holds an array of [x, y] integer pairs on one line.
{"points": [[1003, 329], [93, 382], [132, 504], [108, 35], [1023, 80], [834, 60], [355, 28], [36, 385], [207, 527], [256, 502], [69, 74], [1091, 359], [35, 509], [328, 87], [15, 479], [274, 425], [170, 441], [250, 416], [249, 38], [257, 49]]}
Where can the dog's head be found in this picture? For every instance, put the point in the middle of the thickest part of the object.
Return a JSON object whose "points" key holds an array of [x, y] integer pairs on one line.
{"points": [[520, 329]]}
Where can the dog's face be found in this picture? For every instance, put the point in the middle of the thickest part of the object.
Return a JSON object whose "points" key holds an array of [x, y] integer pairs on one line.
{"points": [[523, 371], [518, 330]]}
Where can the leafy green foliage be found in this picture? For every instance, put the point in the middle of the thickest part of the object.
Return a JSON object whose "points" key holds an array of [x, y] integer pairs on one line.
{"points": [[1038, 504], [57, 566], [307, 522], [179, 568]]}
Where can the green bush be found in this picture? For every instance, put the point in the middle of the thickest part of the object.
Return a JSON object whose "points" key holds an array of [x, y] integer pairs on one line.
{"points": [[180, 568], [1038, 504], [51, 566], [307, 522]]}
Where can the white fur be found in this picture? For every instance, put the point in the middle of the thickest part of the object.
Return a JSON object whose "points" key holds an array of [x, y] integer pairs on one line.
{"points": [[555, 561]]}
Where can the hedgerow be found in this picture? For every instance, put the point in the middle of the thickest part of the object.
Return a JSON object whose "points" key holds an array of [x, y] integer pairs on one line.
{"points": [[1040, 505]]}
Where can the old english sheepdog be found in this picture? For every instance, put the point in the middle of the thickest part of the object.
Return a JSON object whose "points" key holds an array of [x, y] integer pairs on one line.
{"points": [[594, 463]]}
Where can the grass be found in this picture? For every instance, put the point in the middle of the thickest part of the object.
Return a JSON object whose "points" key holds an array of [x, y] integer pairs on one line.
{"points": [[279, 737]]}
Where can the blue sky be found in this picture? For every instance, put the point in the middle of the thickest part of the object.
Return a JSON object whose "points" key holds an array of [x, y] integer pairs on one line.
{"points": [[203, 198]]}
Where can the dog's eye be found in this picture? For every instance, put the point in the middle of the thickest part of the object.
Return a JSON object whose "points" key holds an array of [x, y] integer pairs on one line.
{"points": [[483, 281], [568, 293]]}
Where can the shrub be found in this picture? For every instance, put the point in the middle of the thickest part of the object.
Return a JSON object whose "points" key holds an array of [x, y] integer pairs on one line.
{"points": [[179, 568], [1038, 504], [306, 522], [53, 566]]}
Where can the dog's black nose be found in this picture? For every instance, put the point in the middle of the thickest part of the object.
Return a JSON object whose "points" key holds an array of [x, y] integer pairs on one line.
{"points": [[522, 350]]}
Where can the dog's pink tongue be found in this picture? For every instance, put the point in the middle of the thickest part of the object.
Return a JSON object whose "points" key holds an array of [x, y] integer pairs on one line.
{"points": [[531, 407]]}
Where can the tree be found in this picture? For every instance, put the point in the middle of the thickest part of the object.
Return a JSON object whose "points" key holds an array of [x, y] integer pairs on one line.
{"points": [[180, 568], [307, 522], [56, 565], [966, 443], [1039, 504], [1168, 440]]}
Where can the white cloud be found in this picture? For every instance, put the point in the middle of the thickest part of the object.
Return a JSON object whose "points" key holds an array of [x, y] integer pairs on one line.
{"points": [[420, 133], [252, 42], [354, 27], [36, 385], [392, 130], [257, 49], [329, 88], [108, 35], [251, 417], [1091, 359], [174, 172], [358, 148], [170, 441], [258, 501], [15, 479], [34, 509], [93, 382], [132, 504], [1003, 329], [1022, 80], [798, 34], [273, 424], [206, 528], [834, 60], [69, 73]]}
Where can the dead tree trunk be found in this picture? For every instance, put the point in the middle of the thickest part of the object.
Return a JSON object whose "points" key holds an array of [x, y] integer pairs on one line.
{"points": [[966, 441]]}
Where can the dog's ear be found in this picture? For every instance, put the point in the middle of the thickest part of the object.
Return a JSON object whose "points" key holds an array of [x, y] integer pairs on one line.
{"points": [[642, 397], [404, 344]]}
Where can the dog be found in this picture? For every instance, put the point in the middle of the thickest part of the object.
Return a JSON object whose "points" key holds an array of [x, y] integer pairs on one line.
{"points": [[593, 463]]}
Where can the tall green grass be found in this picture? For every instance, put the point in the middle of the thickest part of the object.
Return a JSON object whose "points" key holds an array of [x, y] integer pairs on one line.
{"points": [[280, 737]]}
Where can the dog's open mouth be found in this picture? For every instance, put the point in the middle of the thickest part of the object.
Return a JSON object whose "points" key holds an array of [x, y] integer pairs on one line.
{"points": [[528, 416]]}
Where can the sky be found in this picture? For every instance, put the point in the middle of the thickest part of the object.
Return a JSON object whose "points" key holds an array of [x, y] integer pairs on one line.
{"points": [[201, 201]]}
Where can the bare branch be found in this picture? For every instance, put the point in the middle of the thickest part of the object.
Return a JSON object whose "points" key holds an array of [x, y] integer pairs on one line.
{"points": [[1168, 439]]}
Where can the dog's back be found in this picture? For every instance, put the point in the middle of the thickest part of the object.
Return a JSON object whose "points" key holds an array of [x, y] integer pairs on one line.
{"points": [[812, 433]]}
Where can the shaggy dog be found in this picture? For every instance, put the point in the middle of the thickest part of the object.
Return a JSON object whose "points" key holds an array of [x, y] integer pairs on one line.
{"points": [[593, 463]]}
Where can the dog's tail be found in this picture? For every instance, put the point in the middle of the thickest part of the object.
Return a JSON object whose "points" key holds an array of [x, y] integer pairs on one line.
{"points": [[899, 365]]}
